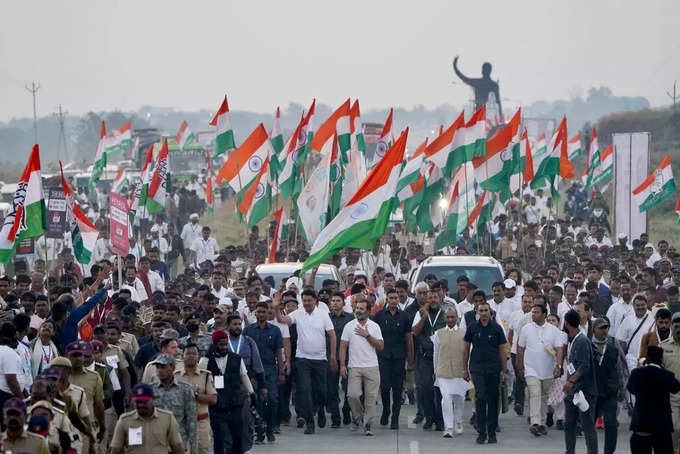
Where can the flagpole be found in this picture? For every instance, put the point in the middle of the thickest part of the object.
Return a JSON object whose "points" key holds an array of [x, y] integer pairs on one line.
{"points": [[120, 272]]}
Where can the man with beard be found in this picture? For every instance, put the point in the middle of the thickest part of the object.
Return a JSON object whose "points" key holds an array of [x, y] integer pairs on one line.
{"points": [[361, 339], [15, 439], [229, 373], [659, 333], [147, 428], [193, 323]]}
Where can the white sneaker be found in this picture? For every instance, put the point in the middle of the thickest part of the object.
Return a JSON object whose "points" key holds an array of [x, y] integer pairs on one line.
{"points": [[447, 434], [459, 428]]}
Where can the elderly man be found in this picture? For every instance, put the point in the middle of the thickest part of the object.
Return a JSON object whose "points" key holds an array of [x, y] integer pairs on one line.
{"points": [[177, 397]]}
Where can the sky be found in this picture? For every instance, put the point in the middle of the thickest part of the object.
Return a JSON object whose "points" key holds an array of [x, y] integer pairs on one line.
{"points": [[124, 54]]}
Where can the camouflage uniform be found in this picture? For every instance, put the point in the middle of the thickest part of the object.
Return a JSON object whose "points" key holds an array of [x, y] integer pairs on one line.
{"points": [[179, 398], [204, 341]]}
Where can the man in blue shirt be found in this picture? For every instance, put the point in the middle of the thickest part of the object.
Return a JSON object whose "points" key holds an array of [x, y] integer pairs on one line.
{"points": [[270, 346]]}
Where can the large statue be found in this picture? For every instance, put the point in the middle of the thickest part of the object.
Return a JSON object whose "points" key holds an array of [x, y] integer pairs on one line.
{"points": [[483, 86]]}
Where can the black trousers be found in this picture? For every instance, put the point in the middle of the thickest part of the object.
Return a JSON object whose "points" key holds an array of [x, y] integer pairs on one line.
{"points": [[520, 385], [392, 373], [571, 415], [310, 386], [227, 429], [268, 408], [286, 392], [606, 407], [486, 401], [428, 394], [658, 443], [333, 383]]}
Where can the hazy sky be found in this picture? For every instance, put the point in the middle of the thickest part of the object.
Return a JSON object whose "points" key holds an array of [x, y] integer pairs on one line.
{"points": [[122, 54]]}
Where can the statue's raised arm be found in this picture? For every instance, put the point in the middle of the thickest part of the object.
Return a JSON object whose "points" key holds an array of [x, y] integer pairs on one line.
{"points": [[462, 76]]}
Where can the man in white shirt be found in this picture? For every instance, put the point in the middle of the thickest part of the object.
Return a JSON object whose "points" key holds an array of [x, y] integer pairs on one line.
{"points": [[134, 283], [10, 363], [567, 304], [313, 327], [204, 248], [218, 289], [621, 307], [159, 242], [632, 328], [102, 249], [190, 232], [502, 306], [155, 280], [361, 339], [539, 358], [518, 320], [136, 249]]}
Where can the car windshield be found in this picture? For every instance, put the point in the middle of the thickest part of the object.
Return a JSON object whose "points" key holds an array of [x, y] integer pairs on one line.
{"points": [[482, 276], [278, 277]]}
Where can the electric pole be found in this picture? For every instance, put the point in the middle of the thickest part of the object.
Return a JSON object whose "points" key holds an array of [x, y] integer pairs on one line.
{"points": [[674, 95], [61, 118], [33, 89]]}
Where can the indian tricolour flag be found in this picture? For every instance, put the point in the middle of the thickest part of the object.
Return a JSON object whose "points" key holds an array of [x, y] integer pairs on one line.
{"points": [[244, 163], [276, 135], [384, 141], [224, 135], [99, 156], [493, 170], [280, 232], [677, 209], [83, 232], [574, 148], [593, 158], [461, 199], [155, 200], [539, 148], [481, 213], [410, 172], [256, 200], [469, 141], [656, 188], [184, 135], [336, 180], [337, 123], [292, 156], [120, 182], [555, 162], [365, 218], [356, 130], [138, 198], [604, 170], [120, 139], [439, 150], [26, 217]]}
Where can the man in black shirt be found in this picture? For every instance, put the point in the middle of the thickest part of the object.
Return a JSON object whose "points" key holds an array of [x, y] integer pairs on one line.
{"points": [[487, 367], [398, 349], [339, 318]]}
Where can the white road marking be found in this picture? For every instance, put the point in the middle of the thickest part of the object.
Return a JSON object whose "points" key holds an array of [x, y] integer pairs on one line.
{"points": [[414, 446]]}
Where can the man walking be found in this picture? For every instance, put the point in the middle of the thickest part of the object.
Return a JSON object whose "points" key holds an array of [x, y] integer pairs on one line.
{"points": [[487, 367], [339, 318], [397, 352], [539, 356], [360, 340]]}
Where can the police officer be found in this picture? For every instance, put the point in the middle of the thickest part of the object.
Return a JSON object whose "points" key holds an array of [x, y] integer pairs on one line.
{"points": [[15, 439], [91, 383], [138, 431], [270, 346], [178, 397], [204, 389]]}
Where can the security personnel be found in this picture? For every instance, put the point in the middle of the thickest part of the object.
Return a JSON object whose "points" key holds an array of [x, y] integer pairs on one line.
{"points": [[270, 346], [178, 397], [339, 318], [91, 383], [94, 363], [204, 390], [41, 402], [398, 349], [137, 432], [15, 439], [43, 408]]}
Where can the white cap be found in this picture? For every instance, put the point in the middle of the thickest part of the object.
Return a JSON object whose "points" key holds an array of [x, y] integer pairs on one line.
{"points": [[509, 283], [359, 272], [622, 236], [154, 228], [193, 216]]}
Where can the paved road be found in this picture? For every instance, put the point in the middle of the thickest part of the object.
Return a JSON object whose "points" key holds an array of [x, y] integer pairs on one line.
{"points": [[411, 439]]}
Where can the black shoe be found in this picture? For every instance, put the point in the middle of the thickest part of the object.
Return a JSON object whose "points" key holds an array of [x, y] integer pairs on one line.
{"points": [[384, 419], [559, 425], [346, 420], [335, 424], [519, 409], [427, 425], [394, 425], [300, 422], [309, 429], [277, 430], [259, 439], [481, 439], [472, 419], [492, 439], [411, 398], [271, 438], [321, 419], [542, 430], [439, 427], [418, 419], [549, 420]]}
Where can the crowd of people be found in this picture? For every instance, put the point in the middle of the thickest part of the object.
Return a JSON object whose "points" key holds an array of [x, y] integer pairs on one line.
{"points": [[192, 350]]}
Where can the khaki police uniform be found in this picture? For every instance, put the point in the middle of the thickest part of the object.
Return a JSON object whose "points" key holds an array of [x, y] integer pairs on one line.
{"points": [[27, 442], [671, 361], [64, 409], [128, 342], [202, 383], [158, 433], [94, 391]]}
